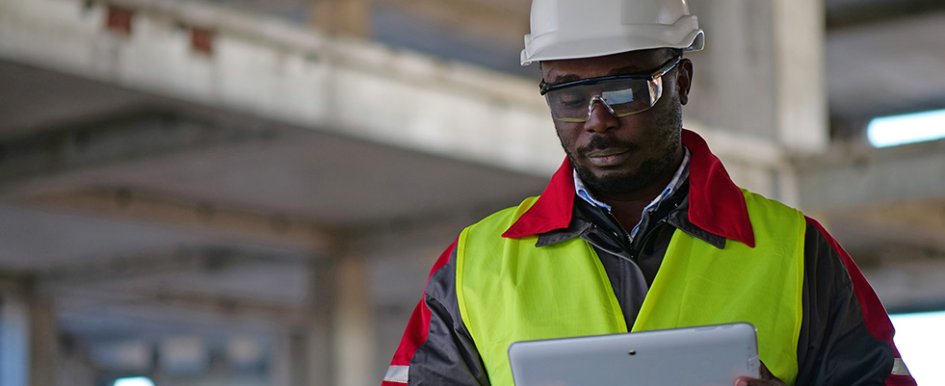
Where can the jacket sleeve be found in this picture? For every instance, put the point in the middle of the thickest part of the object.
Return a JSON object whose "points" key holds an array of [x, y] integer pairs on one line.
{"points": [[436, 348], [846, 336]]}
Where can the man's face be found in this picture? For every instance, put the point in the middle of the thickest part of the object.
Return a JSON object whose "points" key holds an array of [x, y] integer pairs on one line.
{"points": [[624, 155]]}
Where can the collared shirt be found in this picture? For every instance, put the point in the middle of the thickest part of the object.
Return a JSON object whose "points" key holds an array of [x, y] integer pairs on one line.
{"points": [[679, 178]]}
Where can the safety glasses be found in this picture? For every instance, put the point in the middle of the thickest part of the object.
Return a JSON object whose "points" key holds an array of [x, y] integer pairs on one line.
{"points": [[622, 95]]}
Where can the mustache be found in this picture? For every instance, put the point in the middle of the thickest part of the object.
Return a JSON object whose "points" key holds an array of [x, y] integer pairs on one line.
{"points": [[603, 143]]}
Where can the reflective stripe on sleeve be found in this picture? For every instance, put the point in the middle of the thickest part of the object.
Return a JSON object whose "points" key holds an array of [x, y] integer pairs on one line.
{"points": [[397, 374], [899, 367]]}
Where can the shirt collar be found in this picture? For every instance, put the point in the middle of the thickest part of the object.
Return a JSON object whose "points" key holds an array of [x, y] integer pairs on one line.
{"points": [[679, 177], [585, 194], [716, 204]]}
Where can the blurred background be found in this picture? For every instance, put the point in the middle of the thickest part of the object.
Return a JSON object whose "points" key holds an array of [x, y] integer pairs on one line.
{"points": [[251, 192]]}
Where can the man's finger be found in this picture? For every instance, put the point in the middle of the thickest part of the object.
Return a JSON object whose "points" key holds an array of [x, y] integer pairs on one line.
{"points": [[745, 381]]}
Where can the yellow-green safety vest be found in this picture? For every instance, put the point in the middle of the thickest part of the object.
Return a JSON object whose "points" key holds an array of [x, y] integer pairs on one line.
{"points": [[509, 290]]}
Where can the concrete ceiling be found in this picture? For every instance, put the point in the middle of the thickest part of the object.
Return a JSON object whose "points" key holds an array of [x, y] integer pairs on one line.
{"points": [[191, 245]]}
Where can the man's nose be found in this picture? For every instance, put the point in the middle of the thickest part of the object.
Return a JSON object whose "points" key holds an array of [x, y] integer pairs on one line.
{"points": [[600, 119]]}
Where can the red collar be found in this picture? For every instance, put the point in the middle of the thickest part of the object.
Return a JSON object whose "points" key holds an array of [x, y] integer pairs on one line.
{"points": [[716, 204]]}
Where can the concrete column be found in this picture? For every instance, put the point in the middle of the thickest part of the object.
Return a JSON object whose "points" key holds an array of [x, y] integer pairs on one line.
{"points": [[762, 73], [354, 337], [289, 359], [76, 369], [320, 348], [342, 17], [801, 98], [44, 341], [340, 346], [14, 336], [281, 360], [29, 337]]}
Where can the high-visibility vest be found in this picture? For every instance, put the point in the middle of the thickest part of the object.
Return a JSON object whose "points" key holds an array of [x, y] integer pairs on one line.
{"points": [[510, 290]]}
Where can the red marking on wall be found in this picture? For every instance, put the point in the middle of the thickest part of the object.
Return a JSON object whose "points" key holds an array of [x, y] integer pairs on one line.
{"points": [[119, 20], [201, 41]]}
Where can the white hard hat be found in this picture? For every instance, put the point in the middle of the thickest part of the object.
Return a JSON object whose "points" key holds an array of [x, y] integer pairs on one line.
{"points": [[571, 29]]}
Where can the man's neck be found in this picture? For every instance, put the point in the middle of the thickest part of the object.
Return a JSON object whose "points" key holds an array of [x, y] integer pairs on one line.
{"points": [[628, 208]]}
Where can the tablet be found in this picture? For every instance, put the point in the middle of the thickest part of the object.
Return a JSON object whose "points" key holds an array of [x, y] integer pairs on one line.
{"points": [[696, 356]]}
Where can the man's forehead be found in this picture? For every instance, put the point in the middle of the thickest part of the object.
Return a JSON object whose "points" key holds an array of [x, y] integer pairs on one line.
{"points": [[557, 71]]}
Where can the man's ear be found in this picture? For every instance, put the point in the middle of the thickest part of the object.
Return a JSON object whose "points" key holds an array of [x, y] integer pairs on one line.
{"points": [[684, 80]]}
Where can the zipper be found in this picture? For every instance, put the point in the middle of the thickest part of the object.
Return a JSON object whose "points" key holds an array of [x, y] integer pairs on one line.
{"points": [[621, 235], [634, 252], [621, 251]]}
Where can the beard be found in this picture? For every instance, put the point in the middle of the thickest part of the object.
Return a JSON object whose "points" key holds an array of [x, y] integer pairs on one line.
{"points": [[651, 171]]}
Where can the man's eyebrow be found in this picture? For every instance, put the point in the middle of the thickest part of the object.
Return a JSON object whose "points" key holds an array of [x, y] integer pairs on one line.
{"points": [[564, 79], [628, 70], [571, 77]]}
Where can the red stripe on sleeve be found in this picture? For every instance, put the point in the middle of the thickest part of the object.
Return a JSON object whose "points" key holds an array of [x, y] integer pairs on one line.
{"points": [[874, 314], [415, 335], [900, 380]]}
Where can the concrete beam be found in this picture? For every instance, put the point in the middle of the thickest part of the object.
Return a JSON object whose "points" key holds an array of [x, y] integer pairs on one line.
{"points": [[223, 308], [342, 17], [501, 22], [343, 86], [907, 227], [855, 176], [901, 254], [247, 225], [96, 272], [918, 222], [60, 157], [909, 281], [862, 15]]}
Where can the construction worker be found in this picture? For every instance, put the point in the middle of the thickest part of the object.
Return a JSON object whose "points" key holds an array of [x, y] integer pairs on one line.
{"points": [[641, 228]]}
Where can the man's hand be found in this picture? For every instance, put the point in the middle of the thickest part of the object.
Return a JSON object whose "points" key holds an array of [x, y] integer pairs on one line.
{"points": [[766, 379], [745, 381]]}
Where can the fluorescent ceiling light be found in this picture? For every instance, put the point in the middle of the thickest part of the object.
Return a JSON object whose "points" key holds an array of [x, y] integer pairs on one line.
{"points": [[909, 128], [134, 381]]}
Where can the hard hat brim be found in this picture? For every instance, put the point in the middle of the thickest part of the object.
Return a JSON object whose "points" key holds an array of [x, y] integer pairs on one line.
{"points": [[596, 47]]}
